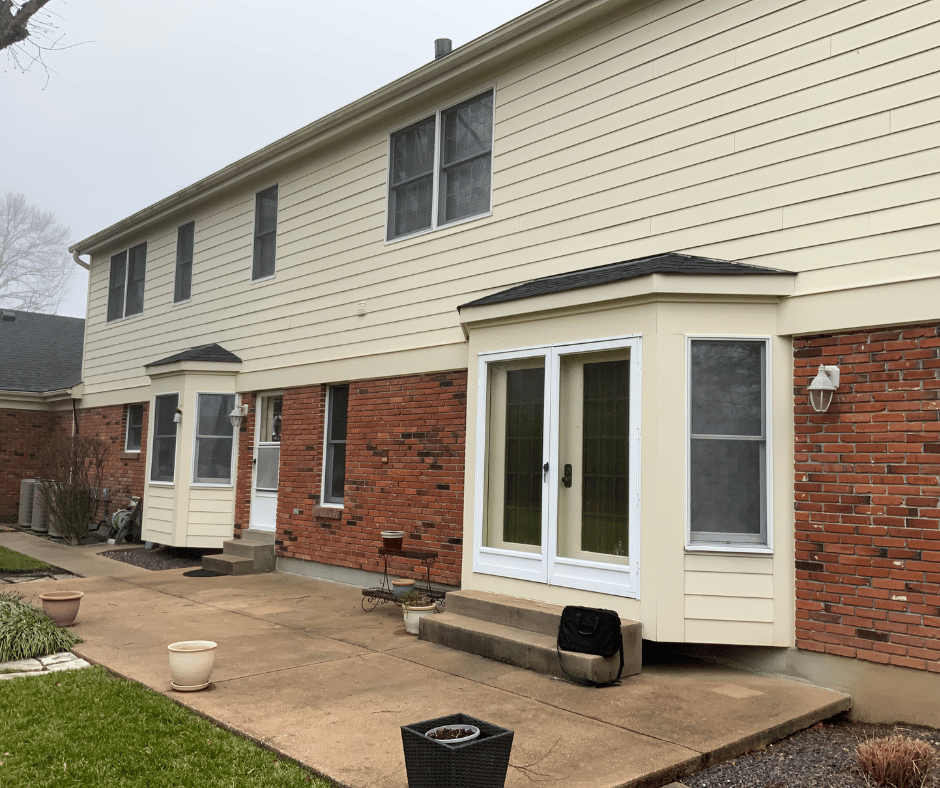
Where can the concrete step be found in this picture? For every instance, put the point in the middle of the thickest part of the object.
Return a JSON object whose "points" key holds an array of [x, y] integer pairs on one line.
{"points": [[261, 554], [228, 564], [262, 537], [252, 554], [524, 633]]}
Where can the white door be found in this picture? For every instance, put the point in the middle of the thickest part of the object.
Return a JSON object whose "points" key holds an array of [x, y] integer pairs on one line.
{"points": [[267, 458]]}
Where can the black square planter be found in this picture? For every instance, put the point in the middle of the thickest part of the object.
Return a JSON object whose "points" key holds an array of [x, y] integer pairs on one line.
{"points": [[479, 763]]}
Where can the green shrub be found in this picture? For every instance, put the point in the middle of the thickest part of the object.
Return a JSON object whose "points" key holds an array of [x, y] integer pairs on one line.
{"points": [[26, 631], [897, 761]]}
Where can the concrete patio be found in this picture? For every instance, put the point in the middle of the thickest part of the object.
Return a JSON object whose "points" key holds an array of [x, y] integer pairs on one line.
{"points": [[304, 670]]}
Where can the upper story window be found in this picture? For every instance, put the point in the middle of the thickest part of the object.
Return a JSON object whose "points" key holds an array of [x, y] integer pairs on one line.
{"points": [[185, 240], [126, 283], [135, 427], [262, 263], [440, 168], [728, 442]]}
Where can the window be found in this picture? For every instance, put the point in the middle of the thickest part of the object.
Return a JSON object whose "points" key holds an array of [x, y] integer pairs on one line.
{"points": [[456, 145], [334, 477], [727, 456], [558, 451], [126, 283], [215, 438], [163, 458], [135, 427], [262, 265], [185, 239]]}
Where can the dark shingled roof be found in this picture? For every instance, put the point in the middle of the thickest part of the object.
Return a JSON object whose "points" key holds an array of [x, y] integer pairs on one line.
{"points": [[668, 263], [213, 353], [40, 352]]}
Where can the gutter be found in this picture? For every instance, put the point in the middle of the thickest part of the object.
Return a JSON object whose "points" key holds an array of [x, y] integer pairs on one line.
{"points": [[554, 15], [78, 260]]}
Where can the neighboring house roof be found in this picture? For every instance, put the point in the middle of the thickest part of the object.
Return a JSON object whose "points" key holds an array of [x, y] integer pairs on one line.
{"points": [[668, 263], [40, 353], [211, 353]]}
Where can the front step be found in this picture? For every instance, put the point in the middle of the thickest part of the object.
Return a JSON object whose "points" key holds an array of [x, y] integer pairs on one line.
{"points": [[524, 633], [252, 554]]}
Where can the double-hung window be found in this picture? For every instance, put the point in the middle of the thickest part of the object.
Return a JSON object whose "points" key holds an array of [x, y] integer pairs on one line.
{"points": [[135, 427], [262, 262], [728, 440], [163, 457], [126, 283], [334, 476], [440, 168], [185, 240], [215, 438]]}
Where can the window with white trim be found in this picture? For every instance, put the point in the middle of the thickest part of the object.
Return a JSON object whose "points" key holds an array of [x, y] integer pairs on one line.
{"points": [[163, 453], [440, 168], [126, 283], [728, 442], [185, 241], [215, 439], [135, 427], [265, 243], [334, 475]]}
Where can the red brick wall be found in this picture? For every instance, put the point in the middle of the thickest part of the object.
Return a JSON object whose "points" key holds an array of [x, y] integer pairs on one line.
{"points": [[245, 467], [22, 435], [867, 492], [404, 471]]}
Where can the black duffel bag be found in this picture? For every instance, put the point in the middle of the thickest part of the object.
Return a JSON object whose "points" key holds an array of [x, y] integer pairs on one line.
{"points": [[588, 630]]}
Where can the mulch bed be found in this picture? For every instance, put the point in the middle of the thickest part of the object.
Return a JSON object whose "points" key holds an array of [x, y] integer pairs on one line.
{"points": [[821, 757]]}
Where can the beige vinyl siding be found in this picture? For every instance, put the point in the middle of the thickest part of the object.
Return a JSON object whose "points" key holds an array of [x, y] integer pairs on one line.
{"points": [[211, 515], [799, 135], [158, 512]]}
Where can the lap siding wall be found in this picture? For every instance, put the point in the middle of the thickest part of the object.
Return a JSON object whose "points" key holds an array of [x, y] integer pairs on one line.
{"points": [[867, 502]]}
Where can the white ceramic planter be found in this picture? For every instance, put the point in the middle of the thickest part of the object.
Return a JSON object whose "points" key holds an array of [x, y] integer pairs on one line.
{"points": [[191, 663], [413, 616], [62, 606]]}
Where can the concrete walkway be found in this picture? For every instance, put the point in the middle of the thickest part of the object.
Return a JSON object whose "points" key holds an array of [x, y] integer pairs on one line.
{"points": [[301, 668]]}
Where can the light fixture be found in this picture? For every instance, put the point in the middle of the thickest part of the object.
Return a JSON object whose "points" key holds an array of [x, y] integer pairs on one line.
{"points": [[237, 414], [178, 416], [823, 387]]}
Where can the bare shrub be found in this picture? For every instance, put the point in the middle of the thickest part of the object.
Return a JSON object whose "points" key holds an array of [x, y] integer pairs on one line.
{"points": [[897, 761], [71, 467]]}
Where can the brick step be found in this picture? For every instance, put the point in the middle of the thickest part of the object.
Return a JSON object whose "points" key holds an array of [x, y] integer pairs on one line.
{"points": [[524, 633]]}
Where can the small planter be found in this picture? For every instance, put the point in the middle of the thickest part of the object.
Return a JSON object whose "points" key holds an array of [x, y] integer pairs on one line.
{"points": [[413, 615], [62, 606], [480, 762], [402, 587], [453, 734], [191, 663], [392, 540]]}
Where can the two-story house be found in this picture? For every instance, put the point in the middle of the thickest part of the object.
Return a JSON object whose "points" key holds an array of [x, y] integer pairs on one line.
{"points": [[551, 304]]}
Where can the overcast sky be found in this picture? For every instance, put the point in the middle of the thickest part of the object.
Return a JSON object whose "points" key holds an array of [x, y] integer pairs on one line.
{"points": [[165, 92]]}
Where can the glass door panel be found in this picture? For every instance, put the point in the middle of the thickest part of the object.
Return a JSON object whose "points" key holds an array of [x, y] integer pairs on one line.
{"points": [[267, 458]]}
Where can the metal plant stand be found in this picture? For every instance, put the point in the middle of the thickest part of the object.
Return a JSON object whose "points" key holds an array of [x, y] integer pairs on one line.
{"points": [[383, 593]]}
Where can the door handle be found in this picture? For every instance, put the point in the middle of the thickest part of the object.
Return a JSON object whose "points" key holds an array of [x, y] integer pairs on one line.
{"points": [[566, 479]]}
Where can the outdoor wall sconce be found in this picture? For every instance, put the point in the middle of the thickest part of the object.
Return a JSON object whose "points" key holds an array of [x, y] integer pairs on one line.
{"points": [[823, 387], [178, 416], [237, 414]]}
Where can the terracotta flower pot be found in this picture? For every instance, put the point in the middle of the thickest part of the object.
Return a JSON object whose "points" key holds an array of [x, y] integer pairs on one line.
{"points": [[191, 663], [392, 540], [62, 606]]}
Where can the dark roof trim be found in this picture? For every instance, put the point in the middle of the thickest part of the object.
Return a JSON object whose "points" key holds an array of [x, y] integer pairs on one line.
{"points": [[668, 263], [206, 353]]}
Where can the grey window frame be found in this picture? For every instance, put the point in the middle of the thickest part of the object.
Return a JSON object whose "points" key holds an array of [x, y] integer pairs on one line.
{"points": [[733, 540], [119, 293], [329, 454], [437, 172], [136, 424], [161, 401], [262, 231], [184, 262]]}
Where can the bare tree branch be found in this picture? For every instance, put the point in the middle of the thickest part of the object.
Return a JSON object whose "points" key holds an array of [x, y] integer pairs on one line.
{"points": [[35, 266], [14, 26]]}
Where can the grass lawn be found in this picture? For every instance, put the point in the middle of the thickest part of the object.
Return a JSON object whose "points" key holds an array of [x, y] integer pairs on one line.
{"points": [[11, 561], [89, 728]]}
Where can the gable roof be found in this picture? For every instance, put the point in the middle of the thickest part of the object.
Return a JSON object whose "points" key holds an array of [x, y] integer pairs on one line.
{"points": [[667, 263], [212, 353], [40, 353]]}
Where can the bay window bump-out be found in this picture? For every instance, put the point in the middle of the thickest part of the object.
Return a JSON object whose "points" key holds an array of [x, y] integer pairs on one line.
{"points": [[728, 443], [163, 454], [214, 439]]}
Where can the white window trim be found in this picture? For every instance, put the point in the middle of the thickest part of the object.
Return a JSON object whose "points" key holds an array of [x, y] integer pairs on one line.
{"points": [[127, 427], [751, 548], [233, 470], [127, 274], [326, 441], [192, 264], [258, 443], [153, 441], [254, 235], [545, 566], [435, 226]]}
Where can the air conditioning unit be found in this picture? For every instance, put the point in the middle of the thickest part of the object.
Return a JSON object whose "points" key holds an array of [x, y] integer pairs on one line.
{"points": [[40, 523], [27, 490]]}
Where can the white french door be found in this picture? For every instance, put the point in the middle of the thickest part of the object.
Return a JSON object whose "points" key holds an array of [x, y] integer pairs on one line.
{"points": [[267, 459], [557, 475]]}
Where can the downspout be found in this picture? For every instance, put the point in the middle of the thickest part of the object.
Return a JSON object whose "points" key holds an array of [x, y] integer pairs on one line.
{"points": [[74, 419], [79, 261]]}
